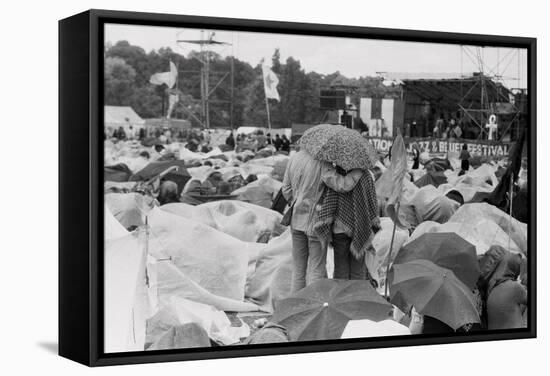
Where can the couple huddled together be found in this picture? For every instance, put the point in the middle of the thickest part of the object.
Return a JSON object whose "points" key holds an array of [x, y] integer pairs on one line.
{"points": [[329, 206]]}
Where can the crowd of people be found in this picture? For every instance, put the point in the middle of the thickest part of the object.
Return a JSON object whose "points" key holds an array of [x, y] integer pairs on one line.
{"points": [[199, 140], [257, 141], [334, 216], [337, 208], [444, 127]]}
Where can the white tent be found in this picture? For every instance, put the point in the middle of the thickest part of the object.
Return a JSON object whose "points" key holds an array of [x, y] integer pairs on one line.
{"points": [[122, 116]]}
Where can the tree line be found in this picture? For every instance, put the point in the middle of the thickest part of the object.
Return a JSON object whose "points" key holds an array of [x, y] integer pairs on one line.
{"points": [[128, 68]]}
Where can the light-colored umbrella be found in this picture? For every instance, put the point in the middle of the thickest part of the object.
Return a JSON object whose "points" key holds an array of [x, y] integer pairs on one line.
{"points": [[340, 145]]}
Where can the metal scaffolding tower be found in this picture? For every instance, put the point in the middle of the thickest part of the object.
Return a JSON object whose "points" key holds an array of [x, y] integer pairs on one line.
{"points": [[490, 84], [205, 43]]}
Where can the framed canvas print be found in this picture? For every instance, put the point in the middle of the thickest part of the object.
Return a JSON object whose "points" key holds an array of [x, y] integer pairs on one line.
{"points": [[235, 187]]}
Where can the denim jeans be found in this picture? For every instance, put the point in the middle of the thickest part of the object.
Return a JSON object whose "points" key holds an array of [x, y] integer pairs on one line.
{"points": [[309, 260], [346, 266]]}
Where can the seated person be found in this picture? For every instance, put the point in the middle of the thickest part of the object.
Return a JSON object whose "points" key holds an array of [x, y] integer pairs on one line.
{"points": [[168, 192], [224, 189]]}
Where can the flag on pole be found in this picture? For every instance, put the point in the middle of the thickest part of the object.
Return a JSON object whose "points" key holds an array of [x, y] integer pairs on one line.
{"points": [[499, 195], [172, 100], [398, 171], [167, 78], [270, 83]]}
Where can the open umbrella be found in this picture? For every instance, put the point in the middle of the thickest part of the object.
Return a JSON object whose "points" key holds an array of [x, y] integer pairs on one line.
{"points": [[322, 309], [432, 177], [433, 291], [445, 249], [340, 145], [180, 175]]}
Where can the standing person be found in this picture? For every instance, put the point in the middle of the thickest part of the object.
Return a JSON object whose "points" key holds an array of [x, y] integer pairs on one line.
{"points": [[348, 218], [451, 128], [439, 126], [269, 139], [416, 156], [121, 134], [302, 187], [407, 130], [285, 145], [277, 142], [465, 158], [230, 141], [436, 130]]}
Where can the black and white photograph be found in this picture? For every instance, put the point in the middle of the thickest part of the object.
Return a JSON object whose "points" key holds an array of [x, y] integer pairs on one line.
{"points": [[271, 188]]}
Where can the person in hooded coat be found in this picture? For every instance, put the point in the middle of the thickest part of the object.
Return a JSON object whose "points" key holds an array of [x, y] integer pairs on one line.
{"points": [[505, 297]]}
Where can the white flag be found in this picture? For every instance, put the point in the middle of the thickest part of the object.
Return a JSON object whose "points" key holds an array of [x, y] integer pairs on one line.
{"points": [[172, 100], [270, 83], [167, 78]]}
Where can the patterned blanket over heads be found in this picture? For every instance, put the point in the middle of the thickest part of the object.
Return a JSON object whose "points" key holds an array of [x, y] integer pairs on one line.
{"points": [[356, 210]]}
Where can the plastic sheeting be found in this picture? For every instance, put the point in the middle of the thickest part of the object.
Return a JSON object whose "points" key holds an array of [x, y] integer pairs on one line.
{"points": [[215, 261], [484, 211], [431, 205], [126, 308], [376, 263], [368, 328], [113, 228], [260, 192], [242, 220], [128, 208], [272, 274], [184, 336], [171, 281], [482, 225], [178, 311], [482, 179], [384, 187]]}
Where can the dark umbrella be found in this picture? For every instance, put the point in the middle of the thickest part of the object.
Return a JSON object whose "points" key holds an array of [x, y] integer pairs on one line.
{"points": [[438, 164], [117, 173], [445, 249], [179, 176], [322, 309], [433, 291], [340, 145], [435, 178]]}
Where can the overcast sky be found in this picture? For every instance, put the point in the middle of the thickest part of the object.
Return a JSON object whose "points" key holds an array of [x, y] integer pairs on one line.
{"points": [[352, 57]]}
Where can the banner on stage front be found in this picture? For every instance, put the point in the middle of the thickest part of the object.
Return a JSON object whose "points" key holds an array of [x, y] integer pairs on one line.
{"points": [[433, 145]]}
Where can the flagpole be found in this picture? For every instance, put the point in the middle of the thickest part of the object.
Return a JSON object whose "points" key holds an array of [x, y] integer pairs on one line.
{"points": [[268, 116]]}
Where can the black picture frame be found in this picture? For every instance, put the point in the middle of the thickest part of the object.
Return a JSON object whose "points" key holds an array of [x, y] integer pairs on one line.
{"points": [[80, 170]]}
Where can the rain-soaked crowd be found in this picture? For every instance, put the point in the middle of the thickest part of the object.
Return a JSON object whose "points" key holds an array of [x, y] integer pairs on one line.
{"points": [[198, 140], [447, 258]]}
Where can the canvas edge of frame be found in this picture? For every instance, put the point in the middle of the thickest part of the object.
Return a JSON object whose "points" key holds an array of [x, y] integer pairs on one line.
{"points": [[97, 18], [74, 278]]}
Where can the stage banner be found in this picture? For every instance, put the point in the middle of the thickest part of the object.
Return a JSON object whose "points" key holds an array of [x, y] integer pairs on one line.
{"points": [[433, 145]]}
